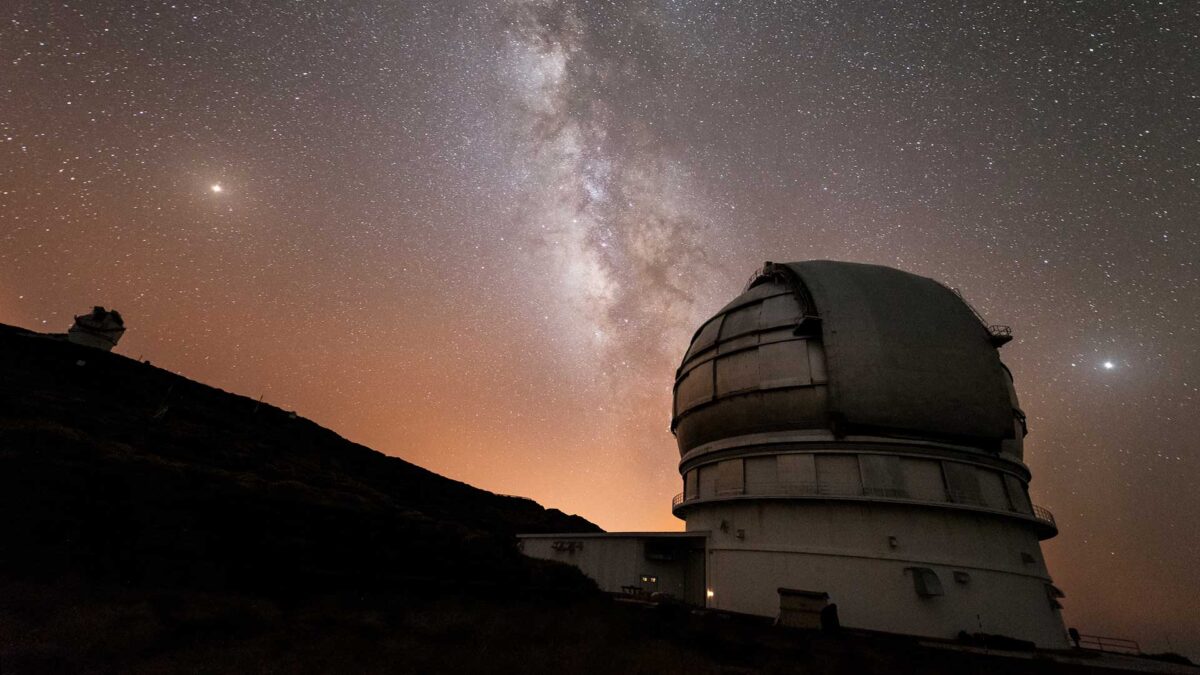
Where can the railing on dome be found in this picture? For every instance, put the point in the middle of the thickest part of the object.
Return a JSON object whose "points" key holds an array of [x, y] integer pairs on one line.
{"points": [[1001, 335], [1043, 514], [1110, 644]]}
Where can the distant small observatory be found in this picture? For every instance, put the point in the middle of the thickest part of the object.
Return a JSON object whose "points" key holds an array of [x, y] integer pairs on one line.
{"points": [[849, 437], [99, 328]]}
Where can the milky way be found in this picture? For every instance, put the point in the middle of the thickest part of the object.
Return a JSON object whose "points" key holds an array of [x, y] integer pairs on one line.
{"points": [[478, 235]]}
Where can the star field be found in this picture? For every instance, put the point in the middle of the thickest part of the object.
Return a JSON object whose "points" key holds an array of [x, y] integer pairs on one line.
{"points": [[479, 235]]}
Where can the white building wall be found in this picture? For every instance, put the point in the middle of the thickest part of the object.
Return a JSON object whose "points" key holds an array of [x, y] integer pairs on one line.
{"points": [[862, 554], [616, 561]]}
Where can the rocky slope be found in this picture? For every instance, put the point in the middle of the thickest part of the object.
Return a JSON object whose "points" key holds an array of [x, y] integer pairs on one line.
{"points": [[114, 471]]}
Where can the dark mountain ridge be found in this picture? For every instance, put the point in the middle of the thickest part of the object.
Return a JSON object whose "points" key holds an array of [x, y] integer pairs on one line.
{"points": [[114, 471], [152, 524]]}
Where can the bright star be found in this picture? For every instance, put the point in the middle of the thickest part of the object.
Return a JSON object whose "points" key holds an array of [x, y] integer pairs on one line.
{"points": [[1109, 365], [216, 187]]}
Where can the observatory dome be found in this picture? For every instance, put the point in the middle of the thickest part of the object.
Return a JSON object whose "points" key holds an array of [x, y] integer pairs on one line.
{"points": [[828, 348], [849, 438]]}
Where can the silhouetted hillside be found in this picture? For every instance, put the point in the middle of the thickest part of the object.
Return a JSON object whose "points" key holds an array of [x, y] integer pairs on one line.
{"points": [[151, 524], [117, 472]]}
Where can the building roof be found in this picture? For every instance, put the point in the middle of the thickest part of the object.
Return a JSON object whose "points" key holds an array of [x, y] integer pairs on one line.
{"points": [[846, 349], [905, 352]]}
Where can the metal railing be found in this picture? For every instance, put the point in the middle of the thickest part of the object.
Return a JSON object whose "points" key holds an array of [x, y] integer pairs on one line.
{"points": [[1043, 514], [1109, 644]]}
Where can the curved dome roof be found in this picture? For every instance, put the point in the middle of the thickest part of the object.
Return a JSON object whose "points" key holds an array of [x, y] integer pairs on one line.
{"points": [[846, 347]]}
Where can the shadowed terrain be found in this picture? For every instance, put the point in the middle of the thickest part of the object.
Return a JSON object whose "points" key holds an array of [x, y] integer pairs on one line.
{"points": [[153, 524], [116, 472]]}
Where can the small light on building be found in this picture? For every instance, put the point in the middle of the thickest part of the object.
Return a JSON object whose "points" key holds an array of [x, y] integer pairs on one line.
{"points": [[708, 594]]}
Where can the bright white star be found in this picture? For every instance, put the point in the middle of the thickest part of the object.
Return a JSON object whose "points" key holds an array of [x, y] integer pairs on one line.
{"points": [[1109, 365], [216, 187]]}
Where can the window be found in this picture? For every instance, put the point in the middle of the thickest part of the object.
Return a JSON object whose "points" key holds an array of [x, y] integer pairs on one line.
{"points": [[730, 477], [923, 477], [839, 475], [991, 487], [707, 481], [963, 482], [1017, 494], [797, 474], [761, 476], [881, 476]]}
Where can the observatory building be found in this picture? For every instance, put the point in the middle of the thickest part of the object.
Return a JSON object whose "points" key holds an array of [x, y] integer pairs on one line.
{"points": [[100, 328], [848, 435]]}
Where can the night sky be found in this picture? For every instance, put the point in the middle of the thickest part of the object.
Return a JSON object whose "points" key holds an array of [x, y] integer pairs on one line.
{"points": [[478, 236]]}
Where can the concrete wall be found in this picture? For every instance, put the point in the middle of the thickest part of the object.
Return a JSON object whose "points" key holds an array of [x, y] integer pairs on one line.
{"points": [[862, 554], [617, 560]]}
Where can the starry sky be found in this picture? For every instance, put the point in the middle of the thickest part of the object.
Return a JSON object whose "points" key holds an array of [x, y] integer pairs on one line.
{"points": [[478, 235]]}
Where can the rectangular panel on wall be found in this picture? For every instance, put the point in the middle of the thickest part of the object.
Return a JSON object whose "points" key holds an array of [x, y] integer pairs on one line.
{"points": [[963, 483], [816, 361], [839, 475], [787, 363], [1018, 495], [744, 320], [797, 473], [737, 372], [761, 476], [731, 478], [991, 486], [690, 486], [706, 481], [695, 387], [923, 477], [882, 477]]}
